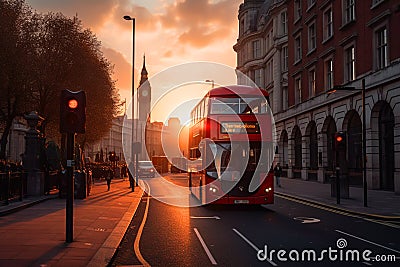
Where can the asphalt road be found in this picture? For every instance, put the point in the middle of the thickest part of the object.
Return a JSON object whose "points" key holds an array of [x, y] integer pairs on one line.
{"points": [[234, 235]]}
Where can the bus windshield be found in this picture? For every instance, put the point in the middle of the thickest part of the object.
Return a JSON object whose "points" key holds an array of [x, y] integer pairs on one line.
{"points": [[248, 105], [245, 158]]}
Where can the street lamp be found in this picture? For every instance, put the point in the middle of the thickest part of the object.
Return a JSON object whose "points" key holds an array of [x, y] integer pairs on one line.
{"points": [[364, 141], [133, 144], [210, 81]]}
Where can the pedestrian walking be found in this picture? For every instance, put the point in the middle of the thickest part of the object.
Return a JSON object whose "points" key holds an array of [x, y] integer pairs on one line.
{"points": [[278, 173], [110, 175]]}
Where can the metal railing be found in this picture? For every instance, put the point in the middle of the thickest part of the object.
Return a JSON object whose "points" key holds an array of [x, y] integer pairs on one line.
{"points": [[12, 186]]}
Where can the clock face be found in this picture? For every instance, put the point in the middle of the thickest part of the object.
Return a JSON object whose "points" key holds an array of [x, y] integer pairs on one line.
{"points": [[145, 92]]}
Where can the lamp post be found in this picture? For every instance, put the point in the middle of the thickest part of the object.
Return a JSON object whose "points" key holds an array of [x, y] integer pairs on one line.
{"points": [[364, 135], [133, 141], [212, 83]]}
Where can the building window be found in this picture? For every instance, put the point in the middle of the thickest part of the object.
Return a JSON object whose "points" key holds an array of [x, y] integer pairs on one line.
{"points": [[297, 9], [381, 48], [267, 43], [258, 77], [269, 72], [285, 98], [328, 74], [284, 22], [311, 83], [350, 64], [284, 58], [349, 11], [297, 89], [257, 49], [328, 24], [312, 39], [297, 49], [310, 3]]}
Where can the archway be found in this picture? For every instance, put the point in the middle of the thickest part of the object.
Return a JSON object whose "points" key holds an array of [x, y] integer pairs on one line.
{"points": [[297, 147], [382, 120], [283, 147], [311, 133], [329, 129], [352, 123]]}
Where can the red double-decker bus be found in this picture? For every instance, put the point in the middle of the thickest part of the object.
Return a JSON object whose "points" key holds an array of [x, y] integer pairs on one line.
{"points": [[231, 147]]}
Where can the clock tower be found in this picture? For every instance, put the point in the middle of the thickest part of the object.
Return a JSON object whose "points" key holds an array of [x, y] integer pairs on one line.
{"points": [[144, 94]]}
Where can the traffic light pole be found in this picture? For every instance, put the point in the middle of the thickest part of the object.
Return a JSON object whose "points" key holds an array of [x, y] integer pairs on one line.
{"points": [[70, 188]]}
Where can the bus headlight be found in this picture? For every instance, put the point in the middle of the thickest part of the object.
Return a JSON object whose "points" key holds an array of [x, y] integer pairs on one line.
{"points": [[213, 189], [269, 189]]}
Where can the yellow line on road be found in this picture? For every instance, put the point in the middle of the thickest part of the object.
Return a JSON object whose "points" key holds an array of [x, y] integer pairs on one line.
{"points": [[139, 234], [338, 212]]}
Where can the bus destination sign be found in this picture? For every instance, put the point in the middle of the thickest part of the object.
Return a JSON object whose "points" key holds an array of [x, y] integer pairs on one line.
{"points": [[240, 127]]}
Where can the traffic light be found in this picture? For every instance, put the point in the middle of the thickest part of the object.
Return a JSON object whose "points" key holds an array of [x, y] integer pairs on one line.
{"points": [[72, 112], [340, 141]]}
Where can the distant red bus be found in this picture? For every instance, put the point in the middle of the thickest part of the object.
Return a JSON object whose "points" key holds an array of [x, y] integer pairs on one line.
{"points": [[231, 127]]}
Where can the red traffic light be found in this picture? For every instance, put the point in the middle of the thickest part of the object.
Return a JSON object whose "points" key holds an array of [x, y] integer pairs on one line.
{"points": [[340, 140], [72, 103], [72, 112]]}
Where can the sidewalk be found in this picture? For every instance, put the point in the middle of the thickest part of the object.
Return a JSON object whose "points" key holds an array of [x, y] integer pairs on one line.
{"points": [[381, 204], [36, 236]]}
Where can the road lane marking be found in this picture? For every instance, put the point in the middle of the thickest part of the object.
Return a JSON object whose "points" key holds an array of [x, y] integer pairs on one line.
{"points": [[210, 256], [362, 239], [200, 217], [140, 231], [339, 212], [306, 219], [252, 245]]}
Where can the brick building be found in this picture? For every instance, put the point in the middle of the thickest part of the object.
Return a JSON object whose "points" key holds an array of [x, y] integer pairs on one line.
{"points": [[298, 51]]}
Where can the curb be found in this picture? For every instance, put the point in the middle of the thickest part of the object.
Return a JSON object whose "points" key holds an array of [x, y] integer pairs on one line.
{"points": [[361, 214], [26, 205], [107, 250]]}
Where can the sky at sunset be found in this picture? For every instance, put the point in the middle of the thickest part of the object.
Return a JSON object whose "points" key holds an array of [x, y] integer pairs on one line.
{"points": [[169, 32]]}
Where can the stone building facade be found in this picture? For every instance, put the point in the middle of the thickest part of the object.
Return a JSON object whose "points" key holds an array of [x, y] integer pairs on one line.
{"points": [[299, 50]]}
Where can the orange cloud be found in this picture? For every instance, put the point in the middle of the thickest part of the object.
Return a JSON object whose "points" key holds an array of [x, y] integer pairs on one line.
{"points": [[200, 22], [94, 13], [122, 68], [144, 19]]}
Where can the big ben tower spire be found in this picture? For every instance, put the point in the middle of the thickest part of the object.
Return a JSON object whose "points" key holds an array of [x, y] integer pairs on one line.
{"points": [[144, 93]]}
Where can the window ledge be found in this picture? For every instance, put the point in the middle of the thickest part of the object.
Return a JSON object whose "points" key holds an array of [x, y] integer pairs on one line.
{"points": [[297, 62], [345, 24], [377, 4], [297, 20], [310, 7], [327, 39], [311, 51]]}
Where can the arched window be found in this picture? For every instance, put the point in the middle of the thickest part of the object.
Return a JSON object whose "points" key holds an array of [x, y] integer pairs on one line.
{"points": [[297, 147], [354, 147], [313, 145]]}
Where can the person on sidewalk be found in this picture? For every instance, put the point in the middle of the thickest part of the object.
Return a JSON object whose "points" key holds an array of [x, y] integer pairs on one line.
{"points": [[110, 175], [278, 173]]}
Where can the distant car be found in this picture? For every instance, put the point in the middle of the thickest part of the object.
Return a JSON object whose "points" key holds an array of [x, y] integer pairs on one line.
{"points": [[146, 169]]}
